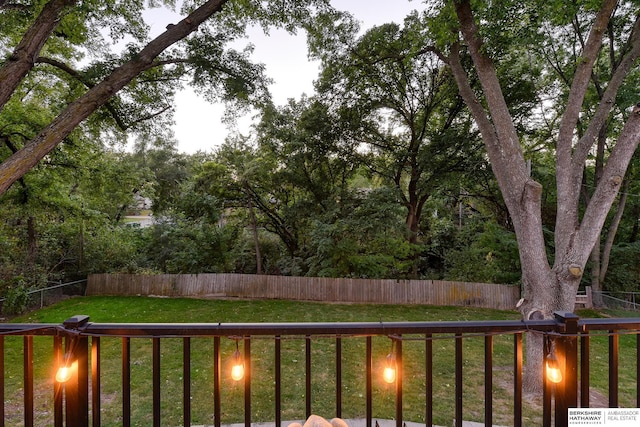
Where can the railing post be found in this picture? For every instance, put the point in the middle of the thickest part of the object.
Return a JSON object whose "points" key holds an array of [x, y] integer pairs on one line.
{"points": [[76, 389], [567, 346]]}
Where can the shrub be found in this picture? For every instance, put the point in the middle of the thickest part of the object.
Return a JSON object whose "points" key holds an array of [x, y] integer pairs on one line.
{"points": [[16, 299]]}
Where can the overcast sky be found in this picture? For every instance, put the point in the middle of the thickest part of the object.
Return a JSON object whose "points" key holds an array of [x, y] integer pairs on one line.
{"points": [[198, 123]]}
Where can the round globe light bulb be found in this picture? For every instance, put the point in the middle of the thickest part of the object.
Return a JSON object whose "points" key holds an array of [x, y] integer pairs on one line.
{"points": [[554, 374], [237, 371], [64, 374], [389, 374]]}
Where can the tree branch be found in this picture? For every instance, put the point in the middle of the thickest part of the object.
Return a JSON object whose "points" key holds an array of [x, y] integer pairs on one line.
{"points": [[613, 229], [608, 98], [22, 59], [18, 164], [612, 178], [488, 132], [5, 5], [491, 88], [522, 194], [89, 84], [577, 92], [569, 167]]}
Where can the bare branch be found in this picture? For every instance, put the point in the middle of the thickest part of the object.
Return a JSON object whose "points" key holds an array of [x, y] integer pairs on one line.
{"points": [[149, 116], [498, 131], [581, 80], [89, 84], [5, 5], [609, 185], [604, 107]]}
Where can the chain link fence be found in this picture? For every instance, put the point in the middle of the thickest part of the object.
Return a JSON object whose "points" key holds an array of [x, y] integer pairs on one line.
{"points": [[629, 301], [39, 298]]}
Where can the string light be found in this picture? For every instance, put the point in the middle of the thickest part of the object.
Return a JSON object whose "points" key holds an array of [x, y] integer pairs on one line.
{"points": [[66, 370], [554, 373], [390, 367], [237, 367], [552, 367]]}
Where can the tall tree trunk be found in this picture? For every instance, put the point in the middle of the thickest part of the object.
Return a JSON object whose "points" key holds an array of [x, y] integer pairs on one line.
{"points": [[254, 228], [256, 241], [635, 231], [548, 289], [596, 283], [415, 207], [411, 223], [600, 256], [32, 242]]}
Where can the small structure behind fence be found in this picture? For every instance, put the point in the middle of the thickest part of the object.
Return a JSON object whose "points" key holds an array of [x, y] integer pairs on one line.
{"points": [[382, 291]]}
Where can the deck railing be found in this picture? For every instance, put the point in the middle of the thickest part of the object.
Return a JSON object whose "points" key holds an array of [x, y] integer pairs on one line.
{"points": [[78, 343]]}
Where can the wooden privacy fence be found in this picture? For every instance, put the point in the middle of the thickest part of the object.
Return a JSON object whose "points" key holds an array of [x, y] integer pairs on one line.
{"points": [[385, 291]]}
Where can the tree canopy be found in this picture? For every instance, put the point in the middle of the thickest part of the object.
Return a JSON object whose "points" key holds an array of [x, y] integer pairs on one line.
{"points": [[137, 83], [476, 141]]}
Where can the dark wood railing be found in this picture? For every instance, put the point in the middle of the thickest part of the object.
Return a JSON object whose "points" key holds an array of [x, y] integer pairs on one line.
{"points": [[78, 401]]}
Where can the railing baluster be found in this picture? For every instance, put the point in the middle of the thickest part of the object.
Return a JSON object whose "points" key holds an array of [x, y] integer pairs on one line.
{"points": [[458, 357], [488, 381], [156, 381], [216, 382], [57, 387], [186, 381], [2, 411], [28, 381], [614, 346], [369, 387], [307, 375], [428, 362], [338, 377], [399, 375], [95, 381], [517, 380], [584, 369], [126, 382], [247, 382], [82, 351], [278, 378], [547, 386], [637, 371]]}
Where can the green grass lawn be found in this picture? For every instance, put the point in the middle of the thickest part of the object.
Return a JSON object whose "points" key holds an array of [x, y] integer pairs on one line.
{"points": [[163, 310]]}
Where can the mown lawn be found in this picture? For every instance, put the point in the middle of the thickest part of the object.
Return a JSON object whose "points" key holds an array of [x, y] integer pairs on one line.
{"points": [[163, 310]]}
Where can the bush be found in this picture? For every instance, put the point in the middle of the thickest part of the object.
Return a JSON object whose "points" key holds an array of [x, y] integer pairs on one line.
{"points": [[485, 253], [17, 298]]}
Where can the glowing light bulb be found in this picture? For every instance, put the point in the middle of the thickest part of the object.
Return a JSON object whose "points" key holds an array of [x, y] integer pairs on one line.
{"points": [[554, 374], [65, 372], [389, 373], [237, 370]]}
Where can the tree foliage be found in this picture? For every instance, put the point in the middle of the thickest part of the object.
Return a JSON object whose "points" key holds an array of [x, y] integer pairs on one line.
{"points": [[134, 85], [403, 111], [380, 174]]}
